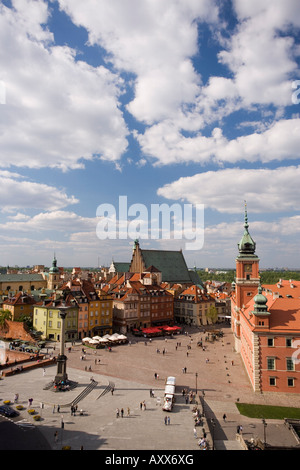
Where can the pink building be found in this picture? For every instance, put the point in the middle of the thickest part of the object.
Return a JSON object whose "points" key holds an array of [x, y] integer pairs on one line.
{"points": [[265, 321]]}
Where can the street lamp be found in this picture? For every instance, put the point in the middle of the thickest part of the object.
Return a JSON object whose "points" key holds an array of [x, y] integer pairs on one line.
{"points": [[213, 432], [196, 376], [265, 426]]}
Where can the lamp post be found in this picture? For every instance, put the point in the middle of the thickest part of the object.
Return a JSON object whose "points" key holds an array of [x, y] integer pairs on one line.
{"points": [[265, 426], [196, 376], [213, 433], [61, 375]]}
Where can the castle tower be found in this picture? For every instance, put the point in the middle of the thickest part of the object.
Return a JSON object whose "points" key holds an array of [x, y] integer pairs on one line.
{"points": [[247, 279], [247, 268]]}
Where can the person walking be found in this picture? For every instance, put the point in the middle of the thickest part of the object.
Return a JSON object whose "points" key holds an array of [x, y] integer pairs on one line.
{"points": [[224, 417], [122, 412]]}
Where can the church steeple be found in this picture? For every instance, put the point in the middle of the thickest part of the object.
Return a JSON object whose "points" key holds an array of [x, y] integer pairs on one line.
{"points": [[54, 268]]}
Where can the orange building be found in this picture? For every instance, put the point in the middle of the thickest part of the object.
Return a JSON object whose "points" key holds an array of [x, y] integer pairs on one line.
{"points": [[265, 321], [19, 305]]}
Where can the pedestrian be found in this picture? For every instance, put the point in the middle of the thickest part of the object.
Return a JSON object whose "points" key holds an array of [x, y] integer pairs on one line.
{"points": [[122, 412], [56, 437], [58, 408], [151, 392], [44, 372], [112, 390], [128, 411], [16, 397], [117, 412], [141, 406], [224, 417], [195, 433], [168, 419]]}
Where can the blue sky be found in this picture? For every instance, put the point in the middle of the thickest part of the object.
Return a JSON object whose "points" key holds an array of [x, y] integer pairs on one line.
{"points": [[185, 102]]}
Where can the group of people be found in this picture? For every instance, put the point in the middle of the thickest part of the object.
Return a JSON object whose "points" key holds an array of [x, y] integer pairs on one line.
{"points": [[121, 412]]}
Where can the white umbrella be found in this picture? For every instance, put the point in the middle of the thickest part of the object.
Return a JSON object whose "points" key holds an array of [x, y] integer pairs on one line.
{"points": [[86, 339], [122, 337], [103, 340], [113, 338], [94, 341], [97, 338]]}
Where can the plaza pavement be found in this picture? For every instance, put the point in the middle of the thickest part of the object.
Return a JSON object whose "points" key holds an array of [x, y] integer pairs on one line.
{"points": [[130, 369]]}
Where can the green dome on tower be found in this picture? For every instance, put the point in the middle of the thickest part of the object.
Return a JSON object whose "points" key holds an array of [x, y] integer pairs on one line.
{"points": [[54, 268], [246, 245]]}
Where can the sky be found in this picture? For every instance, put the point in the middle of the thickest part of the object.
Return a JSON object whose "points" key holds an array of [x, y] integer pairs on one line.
{"points": [[111, 111]]}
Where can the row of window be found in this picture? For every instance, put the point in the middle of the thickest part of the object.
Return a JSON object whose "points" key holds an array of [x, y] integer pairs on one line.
{"points": [[271, 363], [288, 342], [290, 381], [69, 324]]}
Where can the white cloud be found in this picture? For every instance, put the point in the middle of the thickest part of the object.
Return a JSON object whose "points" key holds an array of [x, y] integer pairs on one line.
{"points": [[16, 194], [167, 145], [60, 221], [153, 40], [58, 111], [264, 190]]}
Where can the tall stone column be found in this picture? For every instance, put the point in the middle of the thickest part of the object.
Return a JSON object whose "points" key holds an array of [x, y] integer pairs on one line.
{"points": [[61, 375]]}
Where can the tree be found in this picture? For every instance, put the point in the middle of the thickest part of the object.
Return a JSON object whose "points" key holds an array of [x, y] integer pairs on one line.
{"points": [[4, 315], [212, 314]]}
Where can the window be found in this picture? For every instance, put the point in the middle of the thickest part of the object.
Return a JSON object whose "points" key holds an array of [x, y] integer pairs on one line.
{"points": [[290, 382], [50, 324], [288, 342], [270, 342], [271, 363], [290, 364], [272, 381]]}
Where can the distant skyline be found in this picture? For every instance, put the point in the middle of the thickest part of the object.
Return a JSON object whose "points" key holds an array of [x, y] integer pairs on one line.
{"points": [[165, 102]]}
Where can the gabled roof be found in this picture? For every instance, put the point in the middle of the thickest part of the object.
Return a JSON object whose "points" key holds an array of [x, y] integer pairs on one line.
{"points": [[171, 264], [20, 299]]}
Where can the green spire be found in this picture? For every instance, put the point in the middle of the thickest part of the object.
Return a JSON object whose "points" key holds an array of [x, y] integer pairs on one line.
{"points": [[246, 245], [54, 268]]}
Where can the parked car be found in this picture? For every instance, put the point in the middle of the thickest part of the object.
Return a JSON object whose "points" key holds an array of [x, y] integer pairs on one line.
{"points": [[8, 412]]}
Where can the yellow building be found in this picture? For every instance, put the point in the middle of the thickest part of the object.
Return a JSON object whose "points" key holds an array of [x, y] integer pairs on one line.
{"points": [[19, 305], [101, 314], [95, 317], [46, 318]]}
